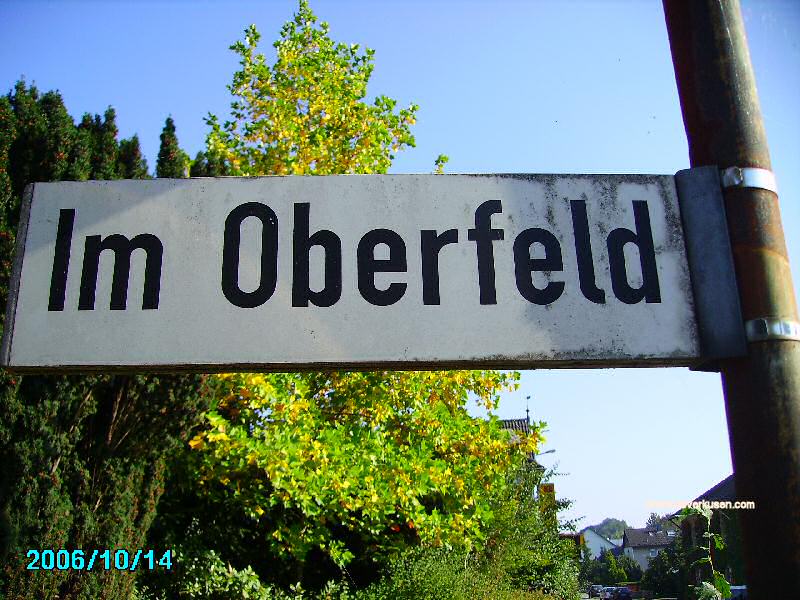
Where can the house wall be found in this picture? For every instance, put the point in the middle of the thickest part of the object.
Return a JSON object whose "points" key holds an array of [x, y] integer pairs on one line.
{"points": [[596, 543], [640, 555]]}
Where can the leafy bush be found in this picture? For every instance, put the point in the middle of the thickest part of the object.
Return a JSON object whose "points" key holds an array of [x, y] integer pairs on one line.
{"points": [[633, 572], [441, 574], [205, 576], [522, 556]]}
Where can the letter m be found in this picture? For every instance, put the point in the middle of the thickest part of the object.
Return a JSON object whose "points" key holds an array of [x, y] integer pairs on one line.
{"points": [[123, 248]]}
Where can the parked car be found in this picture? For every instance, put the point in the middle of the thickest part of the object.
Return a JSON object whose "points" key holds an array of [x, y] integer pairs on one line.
{"points": [[594, 591], [738, 592], [622, 593]]}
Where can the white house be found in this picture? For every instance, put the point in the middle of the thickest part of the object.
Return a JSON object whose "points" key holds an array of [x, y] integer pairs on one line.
{"points": [[642, 545], [596, 543]]}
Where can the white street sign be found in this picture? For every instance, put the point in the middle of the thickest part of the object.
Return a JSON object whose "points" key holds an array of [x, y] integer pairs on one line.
{"points": [[352, 271]]}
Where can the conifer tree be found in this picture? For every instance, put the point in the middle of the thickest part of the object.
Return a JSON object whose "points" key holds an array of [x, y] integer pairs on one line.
{"points": [[80, 159], [59, 138], [208, 164], [131, 163], [82, 458], [43, 138], [198, 167], [7, 135], [28, 148], [104, 146], [172, 161], [101, 137], [8, 132]]}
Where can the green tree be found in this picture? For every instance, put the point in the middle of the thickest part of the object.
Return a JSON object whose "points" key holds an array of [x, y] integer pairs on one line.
{"points": [[102, 137], [57, 140], [602, 570], [590, 569], [198, 166], [633, 572], [172, 161], [82, 459], [608, 569], [610, 528], [524, 542], [616, 573], [653, 521], [666, 573], [80, 154], [335, 466], [131, 162], [660, 523], [330, 469], [42, 137], [208, 164], [306, 114], [8, 133], [522, 553]]}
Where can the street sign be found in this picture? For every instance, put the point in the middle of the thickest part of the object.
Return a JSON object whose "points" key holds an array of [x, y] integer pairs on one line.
{"points": [[354, 271]]}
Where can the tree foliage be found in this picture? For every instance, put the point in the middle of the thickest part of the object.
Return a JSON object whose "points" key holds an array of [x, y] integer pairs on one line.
{"points": [[666, 573], [131, 162], [207, 164], [615, 573], [321, 472], [703, 559], [522, 555], [386, 455], [312, 472], [660, 522], [605, 569], [610, 528], [633, 572], [101, 137], [82, 459], [172, 161], [306, 114]]}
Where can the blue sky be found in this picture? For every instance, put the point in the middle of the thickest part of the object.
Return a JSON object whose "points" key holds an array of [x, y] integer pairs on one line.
{"points": [[540, 87]]}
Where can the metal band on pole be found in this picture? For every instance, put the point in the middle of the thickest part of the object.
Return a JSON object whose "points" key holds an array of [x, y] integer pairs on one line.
{"points": [[765, 329], [746, 177]]}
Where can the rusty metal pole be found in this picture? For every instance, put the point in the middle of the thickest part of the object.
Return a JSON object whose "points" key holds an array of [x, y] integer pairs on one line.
{"points": [[723, 123]]}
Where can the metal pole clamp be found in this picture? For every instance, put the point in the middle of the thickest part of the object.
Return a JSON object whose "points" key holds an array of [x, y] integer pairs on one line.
{"points": [[766, 329], [749, 177]]}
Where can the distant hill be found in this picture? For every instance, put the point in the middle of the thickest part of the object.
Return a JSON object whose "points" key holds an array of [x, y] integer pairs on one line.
{"points": [[609, 528]]}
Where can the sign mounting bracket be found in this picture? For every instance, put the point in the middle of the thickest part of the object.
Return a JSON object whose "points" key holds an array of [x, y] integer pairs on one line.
{"points": [[708, 250]]}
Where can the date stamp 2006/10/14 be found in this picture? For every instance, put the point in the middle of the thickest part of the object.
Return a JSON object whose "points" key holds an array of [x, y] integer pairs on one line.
{"points": [[106, 559]]}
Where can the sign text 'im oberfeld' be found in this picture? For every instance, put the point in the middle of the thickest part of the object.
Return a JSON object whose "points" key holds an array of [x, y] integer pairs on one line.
{"points": [[351, 271]]}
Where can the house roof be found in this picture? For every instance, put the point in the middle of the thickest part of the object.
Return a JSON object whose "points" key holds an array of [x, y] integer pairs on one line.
{"points": [[599, 535], [520, 425], [724, 490], [646, 538]]}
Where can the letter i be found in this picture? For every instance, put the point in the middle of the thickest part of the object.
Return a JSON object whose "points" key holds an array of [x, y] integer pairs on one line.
{"points": [[58, 280]]}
